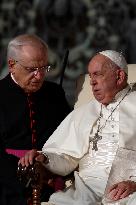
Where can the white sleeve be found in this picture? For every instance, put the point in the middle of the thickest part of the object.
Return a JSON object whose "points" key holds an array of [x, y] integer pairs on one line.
{"points": [[71, 137], [61, 164]]}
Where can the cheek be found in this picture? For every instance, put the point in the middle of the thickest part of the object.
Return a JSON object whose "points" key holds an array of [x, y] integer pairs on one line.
{"points": [[25, 81], [103, 85], [109, 83]]}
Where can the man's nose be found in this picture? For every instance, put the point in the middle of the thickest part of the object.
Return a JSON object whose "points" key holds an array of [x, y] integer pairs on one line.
{"points": [[38, 74], [93, 81]]}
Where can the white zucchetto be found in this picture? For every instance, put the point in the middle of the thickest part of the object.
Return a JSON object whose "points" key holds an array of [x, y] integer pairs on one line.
{"points": [[117, 58]]}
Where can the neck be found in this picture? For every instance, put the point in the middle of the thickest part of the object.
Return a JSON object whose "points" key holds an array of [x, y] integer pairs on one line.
{"points": [[26, 91], [117, 94]]}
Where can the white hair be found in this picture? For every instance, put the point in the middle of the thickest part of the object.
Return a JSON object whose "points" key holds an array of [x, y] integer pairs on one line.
{"points": [[15, 46]]}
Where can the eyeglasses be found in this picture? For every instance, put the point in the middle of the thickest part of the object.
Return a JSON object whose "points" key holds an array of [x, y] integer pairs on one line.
{"points": [[35, 70]]}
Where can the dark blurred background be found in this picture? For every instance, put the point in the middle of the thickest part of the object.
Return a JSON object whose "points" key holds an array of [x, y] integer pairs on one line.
{"points": [[82, 26]]}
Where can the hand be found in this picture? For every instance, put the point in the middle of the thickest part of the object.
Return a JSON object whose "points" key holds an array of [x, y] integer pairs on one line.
{"points": [[30, 156], [121, 190]]}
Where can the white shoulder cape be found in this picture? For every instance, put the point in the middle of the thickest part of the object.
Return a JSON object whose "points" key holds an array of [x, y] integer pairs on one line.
{"points": [[72, 135]]}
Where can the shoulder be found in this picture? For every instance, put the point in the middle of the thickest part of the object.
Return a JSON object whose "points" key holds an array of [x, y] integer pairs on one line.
{"points": [[5, 83], [132, 91], [133, 87], [6, 78], [130, 98], [52, 89], [86, 109], [84, 115], [51, 85], [91, 104], [52, 93]]}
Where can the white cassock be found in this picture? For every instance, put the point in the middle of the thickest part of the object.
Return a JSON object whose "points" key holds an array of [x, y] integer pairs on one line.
{"points": [[70, 146]]}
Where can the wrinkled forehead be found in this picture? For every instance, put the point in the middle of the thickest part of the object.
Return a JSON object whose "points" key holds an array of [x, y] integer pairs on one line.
{"points": [[34, 50], [33, 53], [99, 62]]}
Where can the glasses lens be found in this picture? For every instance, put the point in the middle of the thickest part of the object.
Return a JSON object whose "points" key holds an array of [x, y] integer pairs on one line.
{"points": [[47, 68]]}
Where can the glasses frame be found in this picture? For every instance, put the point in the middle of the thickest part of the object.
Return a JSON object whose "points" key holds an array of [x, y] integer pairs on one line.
{"points": [[35, 70]]}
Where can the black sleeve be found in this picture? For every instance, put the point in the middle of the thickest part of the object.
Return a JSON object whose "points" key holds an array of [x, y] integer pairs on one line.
{"points": [[8, 163]]}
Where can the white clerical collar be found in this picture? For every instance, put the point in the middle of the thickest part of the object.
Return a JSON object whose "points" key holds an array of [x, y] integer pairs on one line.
{"points": [[13, 78], [118, 97], [121, 93]]}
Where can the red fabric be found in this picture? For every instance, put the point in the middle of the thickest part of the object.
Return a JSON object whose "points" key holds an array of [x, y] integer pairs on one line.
{"points": [[59, 183], [32, 119], [17, 153]]}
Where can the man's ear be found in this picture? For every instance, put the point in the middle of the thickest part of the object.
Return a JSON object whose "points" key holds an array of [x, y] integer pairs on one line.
{"points": [[11, 64], [121, 76]]}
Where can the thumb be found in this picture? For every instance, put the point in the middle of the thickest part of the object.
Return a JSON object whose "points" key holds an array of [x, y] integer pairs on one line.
{"points": [[40, 158]]}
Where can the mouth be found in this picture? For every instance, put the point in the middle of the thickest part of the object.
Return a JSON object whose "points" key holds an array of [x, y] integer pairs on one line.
{"points": [[96, 90], [35, 82]]}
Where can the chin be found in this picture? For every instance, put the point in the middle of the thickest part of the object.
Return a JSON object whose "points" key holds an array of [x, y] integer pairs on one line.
{"points": [[32, 89], [35, 89], [105, 102], [101, 100], [98, 98]]}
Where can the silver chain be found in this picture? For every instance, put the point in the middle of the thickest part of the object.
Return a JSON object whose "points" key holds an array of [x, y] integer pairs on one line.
{"points": [[97, 137]]}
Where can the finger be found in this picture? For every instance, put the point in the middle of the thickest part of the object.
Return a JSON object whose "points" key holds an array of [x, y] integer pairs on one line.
{"points": [[112, 194], [125, 194], [118, 194], [22, 162], [29, 157], [112, 187], [19, 162], [40, 158], [27, 160]]}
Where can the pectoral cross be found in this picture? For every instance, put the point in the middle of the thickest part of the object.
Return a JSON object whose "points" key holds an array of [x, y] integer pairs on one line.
{"points": [[95, 140]]}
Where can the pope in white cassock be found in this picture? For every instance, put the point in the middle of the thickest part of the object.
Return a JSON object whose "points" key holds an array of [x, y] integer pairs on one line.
{"points": [[90, 138]]}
